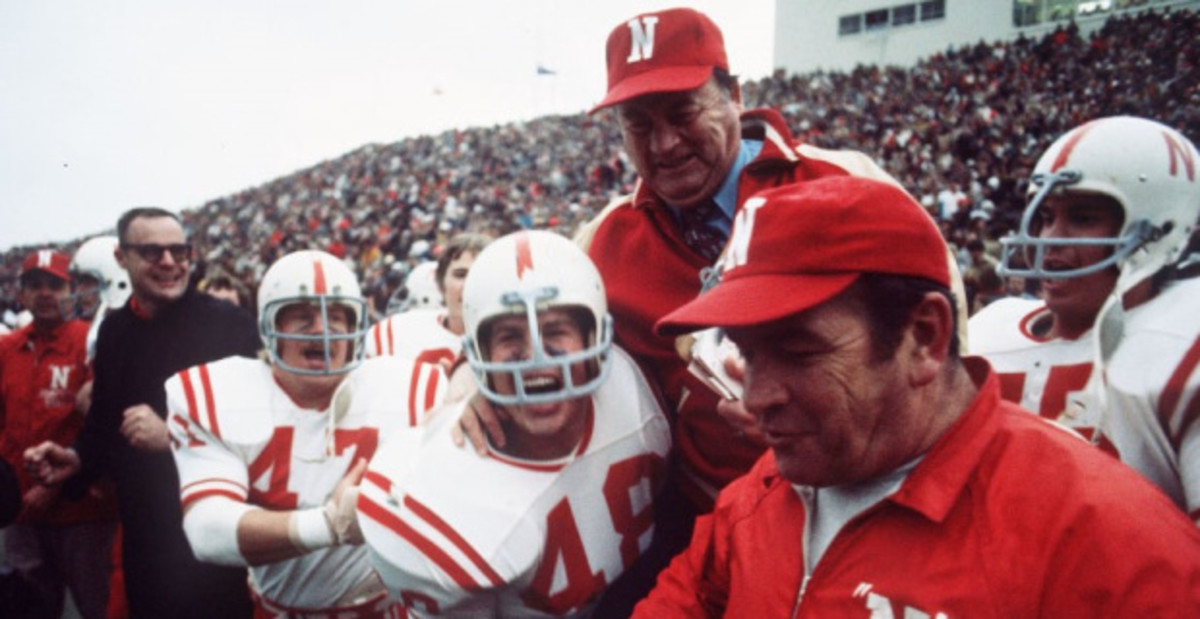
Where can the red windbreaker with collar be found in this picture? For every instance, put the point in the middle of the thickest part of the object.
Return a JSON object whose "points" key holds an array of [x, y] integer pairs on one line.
{"points": [[39, 377], [648, 271], [1006, 516]]}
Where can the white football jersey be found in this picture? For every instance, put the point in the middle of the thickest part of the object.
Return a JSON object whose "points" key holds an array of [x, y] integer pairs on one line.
{"points": [[417, 334], [237, 434], [453, 533], [1042, 375], [1148, 412], [1152, 383]]}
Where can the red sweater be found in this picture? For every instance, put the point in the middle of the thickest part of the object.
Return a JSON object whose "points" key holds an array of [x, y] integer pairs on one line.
{"points": [[39, 377], [649, 271], [1006, 516]]}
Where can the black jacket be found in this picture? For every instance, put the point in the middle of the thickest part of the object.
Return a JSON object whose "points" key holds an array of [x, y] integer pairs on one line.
{"points": [[134, 356]]}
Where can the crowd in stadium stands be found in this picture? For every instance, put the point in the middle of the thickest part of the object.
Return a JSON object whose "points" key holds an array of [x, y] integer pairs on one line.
{"points": [[960, 130]]}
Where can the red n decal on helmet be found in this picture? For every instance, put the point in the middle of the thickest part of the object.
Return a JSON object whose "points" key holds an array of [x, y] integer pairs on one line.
{"points": [[1072, 142], [1175, 148]]}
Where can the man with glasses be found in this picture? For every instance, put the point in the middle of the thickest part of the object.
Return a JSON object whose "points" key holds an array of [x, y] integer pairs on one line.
{"points": [[55, 544], [165, 327]]}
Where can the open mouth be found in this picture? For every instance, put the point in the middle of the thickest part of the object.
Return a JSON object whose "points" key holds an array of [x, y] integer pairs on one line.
{"points": [[542, 384]]}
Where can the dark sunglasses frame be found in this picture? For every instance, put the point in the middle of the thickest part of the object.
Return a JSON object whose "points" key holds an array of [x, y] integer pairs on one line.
{"points": [[153, 252]]}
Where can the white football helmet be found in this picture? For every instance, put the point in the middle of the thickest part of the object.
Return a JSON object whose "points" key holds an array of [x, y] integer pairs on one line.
{"points": [[95, 258], [1149, 169], [315, 277], [522, 274], [420, 290]]}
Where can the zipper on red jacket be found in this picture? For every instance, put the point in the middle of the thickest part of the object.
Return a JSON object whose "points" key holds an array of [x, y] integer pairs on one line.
{"points": [[806, 497]]}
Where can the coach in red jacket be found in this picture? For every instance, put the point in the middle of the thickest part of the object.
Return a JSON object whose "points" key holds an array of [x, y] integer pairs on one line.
{"points": [[897, 481]]}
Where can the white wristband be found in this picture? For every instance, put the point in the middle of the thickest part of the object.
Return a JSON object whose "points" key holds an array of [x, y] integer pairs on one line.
{"points": [[309, 529]]}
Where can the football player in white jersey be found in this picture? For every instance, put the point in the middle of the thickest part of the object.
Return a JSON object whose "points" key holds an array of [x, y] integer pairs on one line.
{"points": [[544, 522], [428, 332], [270, 452], [1112, 351]]}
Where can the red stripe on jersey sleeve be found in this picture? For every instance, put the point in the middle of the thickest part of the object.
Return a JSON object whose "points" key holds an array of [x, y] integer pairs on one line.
{"points": [[1173, 392], [377, 335], [185, 378], [426, 514], [212, 404], [380, 481], [391, 339], [444, 561], [189, 499]]}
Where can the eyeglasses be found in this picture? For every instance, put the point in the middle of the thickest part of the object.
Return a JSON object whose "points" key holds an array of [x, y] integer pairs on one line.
{"points": [[152, 252]]}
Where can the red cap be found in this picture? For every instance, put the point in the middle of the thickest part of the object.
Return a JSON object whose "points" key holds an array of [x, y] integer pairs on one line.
{"points": [[667, 51], [50, 261], [797, 246]]}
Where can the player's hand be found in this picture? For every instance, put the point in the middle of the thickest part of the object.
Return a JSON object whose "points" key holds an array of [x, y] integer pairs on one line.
{"points": [[144, 429], [340, 508], [479, 417], [734, 412], [462, 383], [50, 463]]}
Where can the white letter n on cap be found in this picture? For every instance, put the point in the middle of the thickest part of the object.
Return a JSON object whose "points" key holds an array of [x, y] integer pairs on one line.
{"points": [[641, 38], [743, 229]]}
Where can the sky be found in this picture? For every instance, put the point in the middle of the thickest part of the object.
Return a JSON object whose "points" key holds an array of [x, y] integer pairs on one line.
{"points": [[121, 103]]}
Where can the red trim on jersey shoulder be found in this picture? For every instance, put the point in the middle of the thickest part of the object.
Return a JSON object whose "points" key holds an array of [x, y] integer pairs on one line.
{"points": [[318, 278], [1027, 322], [1174, 391], [206, 382], [189, 392], [1069, 146], [432, 519], [204, 494], [392, 522], [391, 339]]}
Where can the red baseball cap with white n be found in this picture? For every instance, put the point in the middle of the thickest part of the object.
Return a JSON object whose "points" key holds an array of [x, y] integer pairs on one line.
{"points": [[50, 261], [797, 246], [666, 51]]}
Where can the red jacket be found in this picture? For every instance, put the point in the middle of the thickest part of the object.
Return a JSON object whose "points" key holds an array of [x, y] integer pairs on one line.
{"points": [[1005, 516], [649, 271], [39, 378]]}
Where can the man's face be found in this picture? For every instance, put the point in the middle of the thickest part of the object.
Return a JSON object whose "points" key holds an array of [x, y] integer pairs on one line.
{"points": [[1079, 299], [87, 295], [683, 144], [156, 279], [305, 319], [508, 340], [452, 285], [830, 411], [44, 295]]}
